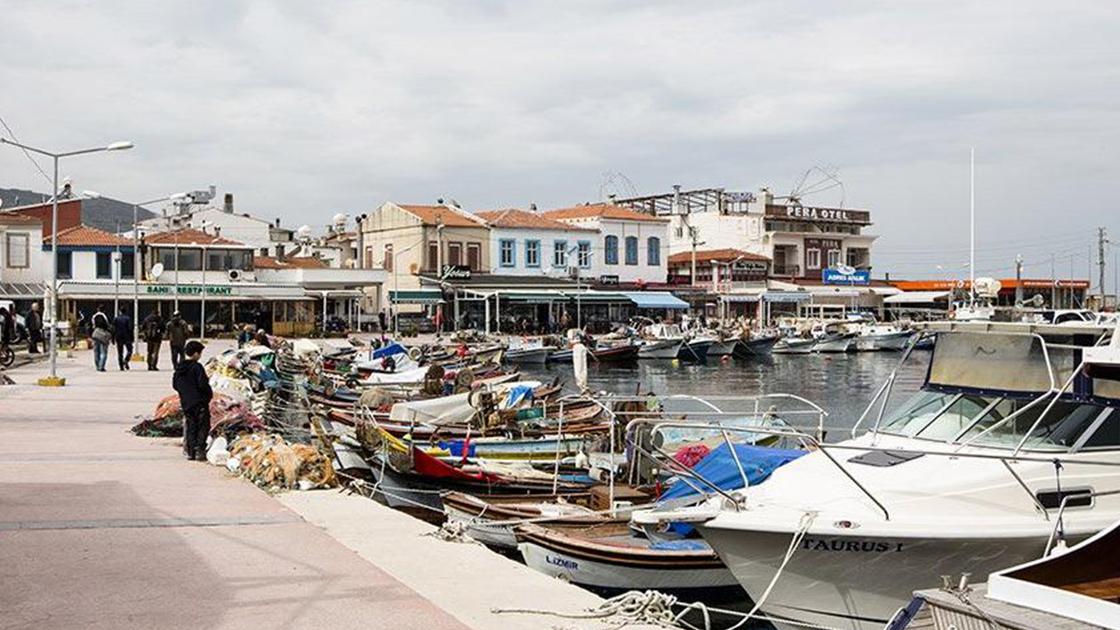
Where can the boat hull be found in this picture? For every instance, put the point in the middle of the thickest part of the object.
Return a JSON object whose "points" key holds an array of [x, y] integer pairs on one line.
{"points": [[723, 348], [704, 579], [834, 344], [883, 341], [855, 582], [528, 356], [794, 346], [761, 347], [660, 349], [696, 350]]}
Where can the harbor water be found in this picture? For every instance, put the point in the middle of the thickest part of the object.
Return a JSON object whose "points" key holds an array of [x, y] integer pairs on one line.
{"points": [[842, 384]]}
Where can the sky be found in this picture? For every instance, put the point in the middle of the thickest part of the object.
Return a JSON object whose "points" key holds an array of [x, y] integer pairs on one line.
{"points": [[306, 109]]}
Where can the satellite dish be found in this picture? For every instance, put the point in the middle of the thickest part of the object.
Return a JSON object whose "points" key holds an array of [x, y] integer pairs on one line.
{"points": [[157, 271], [234, 274]]}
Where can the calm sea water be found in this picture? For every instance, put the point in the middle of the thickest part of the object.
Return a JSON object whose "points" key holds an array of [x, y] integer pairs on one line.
{"points": [[842, 384]]}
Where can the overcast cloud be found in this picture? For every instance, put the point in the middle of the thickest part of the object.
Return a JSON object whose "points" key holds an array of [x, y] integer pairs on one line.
{"points": [[304, 109]]}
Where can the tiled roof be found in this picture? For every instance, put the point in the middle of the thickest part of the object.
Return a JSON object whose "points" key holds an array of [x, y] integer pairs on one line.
{"points": [[15, 218], [603, 211], [86, 236], [706, 256], [522, 219], [187, 236], [433, 215], [268, 262]]}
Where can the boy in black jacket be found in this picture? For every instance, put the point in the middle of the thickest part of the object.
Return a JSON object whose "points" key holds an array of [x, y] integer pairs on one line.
{"points": [[193, 386]]}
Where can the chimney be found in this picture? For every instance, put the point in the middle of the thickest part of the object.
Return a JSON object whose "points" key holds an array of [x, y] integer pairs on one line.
{"points": [[532, 207], [676, 198], [217, 231], [228, 205], [277, 221], [279, 251], [611, 198]]}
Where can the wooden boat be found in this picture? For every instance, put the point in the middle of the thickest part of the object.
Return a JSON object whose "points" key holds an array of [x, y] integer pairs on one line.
{"points": [[608, 559], [480, 514], [530, 355], [756, 347], [620, 353], [793, 345], [723, 347], [660, 348]]}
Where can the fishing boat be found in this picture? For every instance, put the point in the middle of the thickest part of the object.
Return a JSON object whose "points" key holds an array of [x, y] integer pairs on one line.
{"points": [[723, 347], [793, 345], [660, 341], [529, 355], [490, 519], [1013, 423], [755, 347], [695, 347], [835, 342]]}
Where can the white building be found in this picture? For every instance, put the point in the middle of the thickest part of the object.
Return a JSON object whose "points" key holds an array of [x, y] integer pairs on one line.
{"points": [[262, 236], [529, 244], [630, 247], [23, 267]]}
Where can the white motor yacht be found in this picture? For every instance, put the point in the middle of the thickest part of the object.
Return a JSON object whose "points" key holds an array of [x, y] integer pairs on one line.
{"points": [[968, 475]]}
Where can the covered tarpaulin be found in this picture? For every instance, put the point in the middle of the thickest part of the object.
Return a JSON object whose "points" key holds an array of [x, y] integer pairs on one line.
{"points": [[656, 299], [719, 468]]}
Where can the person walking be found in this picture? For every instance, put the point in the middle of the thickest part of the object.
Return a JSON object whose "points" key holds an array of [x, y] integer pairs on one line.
{"points": [[381, 321], [245, 336], [7, 327], [153, 338], [123, 337], [177, 334], [102, 334], [193, 386], [34, 329]]}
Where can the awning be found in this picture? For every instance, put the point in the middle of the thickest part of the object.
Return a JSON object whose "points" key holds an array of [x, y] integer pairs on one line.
{"points": [[740, 297], [916, 297], [416, 296], [22, 290], [656, 299], [784, 296]]}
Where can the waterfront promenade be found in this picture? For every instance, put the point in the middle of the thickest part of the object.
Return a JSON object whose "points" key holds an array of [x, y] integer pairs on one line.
{"points": [[103, 529]]}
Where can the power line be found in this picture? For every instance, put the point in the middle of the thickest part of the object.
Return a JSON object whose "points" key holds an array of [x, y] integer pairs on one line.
{"points": [[27, 153]]}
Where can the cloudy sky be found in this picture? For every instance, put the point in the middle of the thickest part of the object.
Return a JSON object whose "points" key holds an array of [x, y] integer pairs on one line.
{"points": [[304, 109]]}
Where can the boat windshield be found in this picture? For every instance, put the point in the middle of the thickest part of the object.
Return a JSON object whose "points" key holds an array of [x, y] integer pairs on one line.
{"points": [[941, 416]]}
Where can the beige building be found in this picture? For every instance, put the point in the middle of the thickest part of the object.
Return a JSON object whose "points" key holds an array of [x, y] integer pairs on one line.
{"points": [[410, 241]]}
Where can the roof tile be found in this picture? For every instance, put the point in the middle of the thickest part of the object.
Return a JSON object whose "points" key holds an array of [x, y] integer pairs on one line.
{"points": [[513, 218], [433, 215], [708, 256], [86, 236], [602, 211], [188, 236]]}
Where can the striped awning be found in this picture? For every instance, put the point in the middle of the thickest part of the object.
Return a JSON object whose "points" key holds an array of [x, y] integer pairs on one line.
{"points": [[22, 290]]}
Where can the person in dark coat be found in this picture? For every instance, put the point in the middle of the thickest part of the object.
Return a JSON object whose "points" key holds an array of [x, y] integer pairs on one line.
{"points": [[152, 331], [124, 338], [34, 329], [177, 332], [381, 320], [7, 327], [193, 386]]}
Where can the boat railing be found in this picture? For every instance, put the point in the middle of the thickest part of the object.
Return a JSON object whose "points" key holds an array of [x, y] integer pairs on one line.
{"points": [[715, 411], [1057, 532], [824, 449]]}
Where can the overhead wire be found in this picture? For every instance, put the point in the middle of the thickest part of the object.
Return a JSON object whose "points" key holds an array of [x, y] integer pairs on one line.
{"points": [[26, 152]]}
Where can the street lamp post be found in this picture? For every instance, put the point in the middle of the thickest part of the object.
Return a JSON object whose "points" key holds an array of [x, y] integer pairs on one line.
{"points": [[53, 380]]}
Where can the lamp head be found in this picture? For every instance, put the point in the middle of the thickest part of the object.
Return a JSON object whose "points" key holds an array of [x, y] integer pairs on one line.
{"points": [[91, 194], [119, 146]]}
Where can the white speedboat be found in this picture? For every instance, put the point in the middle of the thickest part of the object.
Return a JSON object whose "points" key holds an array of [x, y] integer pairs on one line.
{"points": [[968, 475], [877, 337], [835, 342], [794, 345], [528, 351]]}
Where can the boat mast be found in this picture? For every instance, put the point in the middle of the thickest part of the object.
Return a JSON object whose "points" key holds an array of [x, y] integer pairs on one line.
{"points": [[971, 226]]}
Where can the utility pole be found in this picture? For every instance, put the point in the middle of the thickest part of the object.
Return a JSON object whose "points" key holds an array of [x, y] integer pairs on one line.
{"points": [[692, 234], [1019, 280], [1102, 238]]}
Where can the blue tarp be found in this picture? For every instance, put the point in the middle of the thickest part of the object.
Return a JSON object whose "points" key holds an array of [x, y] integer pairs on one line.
{"points": [[389, 350], [655, 299], [517, 394], [719, 468]]}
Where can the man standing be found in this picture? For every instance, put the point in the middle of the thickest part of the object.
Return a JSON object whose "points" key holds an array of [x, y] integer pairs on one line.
{"points": [[177, 335], [153, 337], [193, 386], [122, 336], [34, 329], [381, 321]]}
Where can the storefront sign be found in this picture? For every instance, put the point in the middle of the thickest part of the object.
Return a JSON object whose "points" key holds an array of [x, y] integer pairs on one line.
{"points": [[608, 280], [846, 275], [456, 272], [750, 266], [819, 214], [188, 290]]}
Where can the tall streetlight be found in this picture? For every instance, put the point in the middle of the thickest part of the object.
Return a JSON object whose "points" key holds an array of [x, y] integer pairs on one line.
{"points": [[137, 263], [53, 380]]}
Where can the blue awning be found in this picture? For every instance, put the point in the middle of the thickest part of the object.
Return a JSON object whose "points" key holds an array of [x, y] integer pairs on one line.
{"points": [[656, 299]]}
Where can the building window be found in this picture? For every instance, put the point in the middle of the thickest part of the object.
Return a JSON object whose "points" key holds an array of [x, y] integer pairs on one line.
{"points": [[812, 259], [474, 256], [128, 265], [583, 254], [433, 255], [559, 253], [532, 253], [653, 251], [65, 261], [104, 265], [19, 250], [167, 258], [387, 262], [631, 250], [190, 259], [610, 250], [507, 251], [454, 253], [833, 258], [369, 258]]}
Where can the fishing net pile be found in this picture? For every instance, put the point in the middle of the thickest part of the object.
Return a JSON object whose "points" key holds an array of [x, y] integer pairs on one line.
{"points": [[273, 463], [228, 416]]}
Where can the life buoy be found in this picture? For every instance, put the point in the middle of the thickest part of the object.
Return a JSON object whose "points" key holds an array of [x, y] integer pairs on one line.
{"points": [[414, 353]]}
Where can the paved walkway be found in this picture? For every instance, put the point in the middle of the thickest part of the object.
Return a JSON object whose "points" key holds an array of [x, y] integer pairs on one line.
{"points": [[103, 529]]}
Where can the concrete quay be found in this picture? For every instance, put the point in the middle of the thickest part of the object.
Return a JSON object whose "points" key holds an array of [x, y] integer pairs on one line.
{"points": [[103, 529]]}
